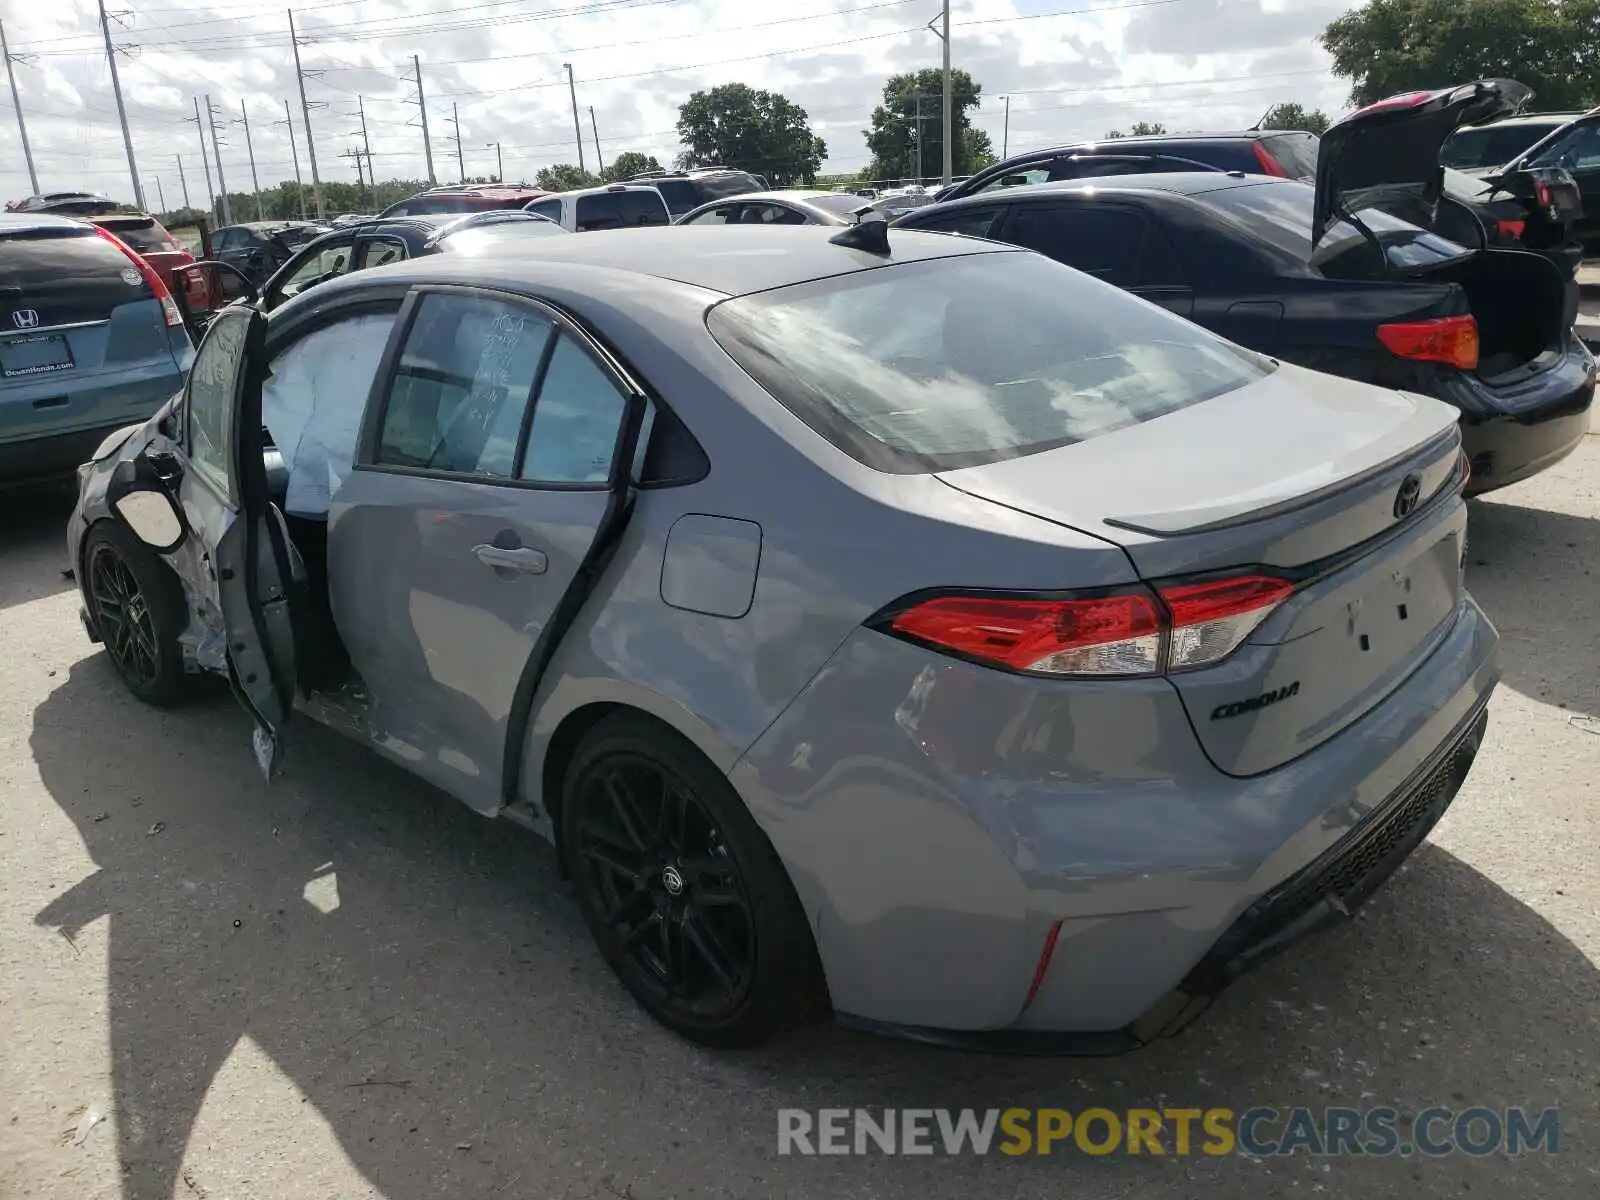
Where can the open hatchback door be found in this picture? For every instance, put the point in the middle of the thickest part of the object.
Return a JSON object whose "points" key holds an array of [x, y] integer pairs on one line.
{"points": [[203, 504], [1386, 155]]}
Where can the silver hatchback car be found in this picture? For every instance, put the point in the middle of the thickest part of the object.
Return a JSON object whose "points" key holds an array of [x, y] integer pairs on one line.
{"points": [[902, 624]]}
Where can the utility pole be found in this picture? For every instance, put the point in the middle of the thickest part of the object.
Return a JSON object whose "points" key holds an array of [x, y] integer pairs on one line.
{"points": [[366, 144], [182, 180], [122, 113], [599, 162], [422, 104], [294, 155], [918, 135], [160, 195], [216, 153], [461, 160], [940, 27], [361, 181], [305, 115], [499, 163], [22, 126], [577, 130], [1005, 136], [249, 146], [205, 164]]}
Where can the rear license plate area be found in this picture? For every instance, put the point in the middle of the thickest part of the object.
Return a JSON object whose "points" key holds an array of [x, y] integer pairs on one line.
{"points": [[43, 354], [1402, 605]]}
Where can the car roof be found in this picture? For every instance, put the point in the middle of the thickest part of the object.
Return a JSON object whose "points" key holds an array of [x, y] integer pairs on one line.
{"points": [[574, 193], [1181, 183], [733, 260], [26, 222]]}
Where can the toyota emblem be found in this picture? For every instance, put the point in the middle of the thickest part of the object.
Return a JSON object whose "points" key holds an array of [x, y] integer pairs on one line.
{"points": [[1405, 500], [25, 318]]}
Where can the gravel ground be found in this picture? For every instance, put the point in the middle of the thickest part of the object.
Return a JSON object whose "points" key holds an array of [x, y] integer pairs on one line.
{"points": [[347, 985]]}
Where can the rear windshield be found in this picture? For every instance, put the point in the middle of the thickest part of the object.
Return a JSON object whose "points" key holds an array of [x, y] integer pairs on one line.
{"points": [[837, 203], [961, 361], [1296, 153], [145, 236], [1280, 213], [729, 183], [60, 257], [1491, 145], [299, 235], [620, 210]]}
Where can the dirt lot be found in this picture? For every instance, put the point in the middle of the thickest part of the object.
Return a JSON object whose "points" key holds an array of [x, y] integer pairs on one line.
{"points": [[347, 985]]}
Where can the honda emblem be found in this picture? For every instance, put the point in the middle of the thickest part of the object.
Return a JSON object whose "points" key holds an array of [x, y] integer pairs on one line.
{"points": [[25, 318]]}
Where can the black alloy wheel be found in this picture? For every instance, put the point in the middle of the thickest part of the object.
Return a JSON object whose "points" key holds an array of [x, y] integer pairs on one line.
{"points": [[685, 896], [123, 618], [136, 605], [653, 857]]}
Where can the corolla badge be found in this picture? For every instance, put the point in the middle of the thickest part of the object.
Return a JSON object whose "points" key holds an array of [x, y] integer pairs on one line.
{"points": [[1405, 500]]}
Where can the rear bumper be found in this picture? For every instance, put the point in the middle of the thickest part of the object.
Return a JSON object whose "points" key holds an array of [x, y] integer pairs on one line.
{"points": [[938, 820], [1326, 892], [79, 419], [1512, 433]]}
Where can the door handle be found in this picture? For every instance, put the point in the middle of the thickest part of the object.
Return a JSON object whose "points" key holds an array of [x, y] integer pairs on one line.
{"points": [[528, 561]]}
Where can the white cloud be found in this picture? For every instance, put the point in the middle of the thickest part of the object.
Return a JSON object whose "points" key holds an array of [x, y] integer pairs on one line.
{"points": [[1070, 76]]}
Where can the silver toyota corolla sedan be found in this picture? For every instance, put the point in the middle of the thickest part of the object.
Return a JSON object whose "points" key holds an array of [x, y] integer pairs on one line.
{"points": [[900, 624]]}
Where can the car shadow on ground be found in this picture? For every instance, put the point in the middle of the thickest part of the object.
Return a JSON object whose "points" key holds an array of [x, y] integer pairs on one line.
{"points": [[421, 978], [33, 535], [1527, 567]]}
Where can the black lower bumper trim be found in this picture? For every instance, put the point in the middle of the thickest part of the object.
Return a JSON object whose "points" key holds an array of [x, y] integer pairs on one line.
{"points": [[1327, 891]]}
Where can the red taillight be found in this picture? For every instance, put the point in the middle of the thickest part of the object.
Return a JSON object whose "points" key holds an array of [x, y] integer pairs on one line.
{"points": [[1541, 189], [1210, 619], [152, 279], [1269, 165], [1510, 231], [1117, 634], [1043, 965], [1132, 631], [1452, 340]]}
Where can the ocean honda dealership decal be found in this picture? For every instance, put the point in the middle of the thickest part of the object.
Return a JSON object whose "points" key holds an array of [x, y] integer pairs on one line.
{"points": [[1260, 1132]]}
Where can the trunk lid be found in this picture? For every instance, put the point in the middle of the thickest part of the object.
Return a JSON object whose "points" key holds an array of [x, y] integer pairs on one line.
{"points": [[1387, 154], [1349, 490]]}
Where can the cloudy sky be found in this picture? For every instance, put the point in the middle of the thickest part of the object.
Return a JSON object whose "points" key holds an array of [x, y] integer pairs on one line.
{"points": [[1073, 69]]}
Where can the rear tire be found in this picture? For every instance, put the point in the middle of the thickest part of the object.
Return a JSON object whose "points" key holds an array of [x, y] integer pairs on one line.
{"points": [[137, 606], [683, 893]]}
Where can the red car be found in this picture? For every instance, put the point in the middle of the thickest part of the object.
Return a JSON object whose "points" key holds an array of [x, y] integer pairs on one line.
{"points": [[149, 240]]}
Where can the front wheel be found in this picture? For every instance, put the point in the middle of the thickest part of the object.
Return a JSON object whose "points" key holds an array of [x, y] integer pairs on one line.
{"points": [[684, 894], [136, 604]]}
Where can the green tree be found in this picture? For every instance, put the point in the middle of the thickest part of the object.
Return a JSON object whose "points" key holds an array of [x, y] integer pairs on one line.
{"points": [[1137, 129], [735, 125], [895, 126], [1295, 116], [564, 177], [977, 150], [1391, 46], [628, 164]]}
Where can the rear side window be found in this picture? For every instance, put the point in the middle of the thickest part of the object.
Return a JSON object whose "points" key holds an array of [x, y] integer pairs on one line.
{"points": [[980, 222], [681, 196], [620, 210], [962, 361], [1577, 150], [550, 209], [576, 420], [1094, 238], [462, 386]]}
